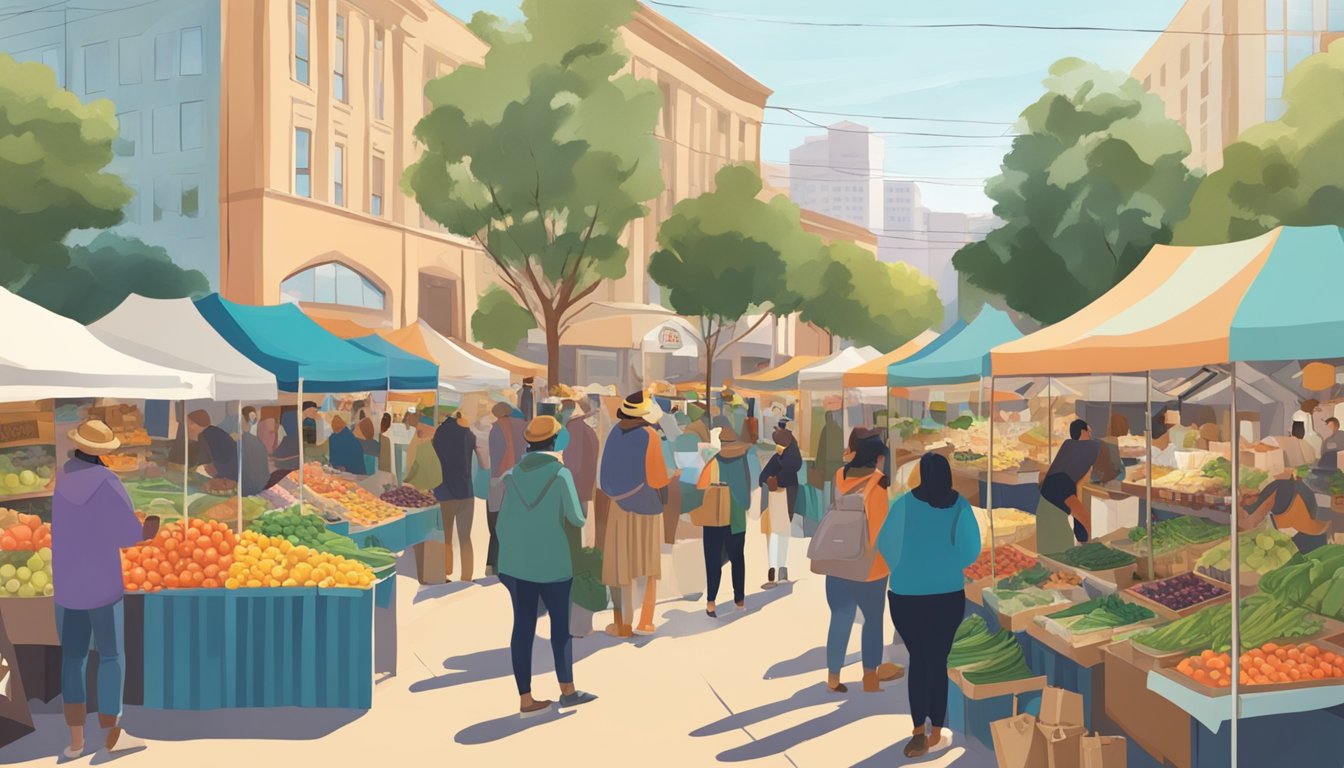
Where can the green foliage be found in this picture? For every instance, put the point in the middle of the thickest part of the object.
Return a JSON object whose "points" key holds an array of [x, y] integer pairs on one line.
{"points": [[1289, 171], [103, 273], [544, 154], [1095, 180], [52, 153], [499, 322], [850, 294]]}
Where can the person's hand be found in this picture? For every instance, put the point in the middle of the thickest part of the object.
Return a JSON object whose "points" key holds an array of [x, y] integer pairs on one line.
{"points": [[150, 528], [884, 482], [772, 483]]}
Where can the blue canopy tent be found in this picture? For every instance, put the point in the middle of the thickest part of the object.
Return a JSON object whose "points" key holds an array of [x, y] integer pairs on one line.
{"points": [[406, 372], [959, 356]]}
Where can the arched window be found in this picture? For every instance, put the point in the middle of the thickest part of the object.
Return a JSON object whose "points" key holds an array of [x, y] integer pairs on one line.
{"points": [[332, 283]]}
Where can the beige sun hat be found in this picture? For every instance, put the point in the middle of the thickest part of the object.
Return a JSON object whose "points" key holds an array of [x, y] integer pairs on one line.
{"points": [[95, 438]]}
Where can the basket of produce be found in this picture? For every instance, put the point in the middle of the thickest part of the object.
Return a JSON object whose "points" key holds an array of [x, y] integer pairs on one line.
{"points": [[1262, 550], [408, 497], [1017, 607], [22, 533], [984, 664], [26, 573], [1095, 620], [122, 464], [303, 529], [1268, 667], [1097, 559], [1007, 560], [220, 486], [1179, 595], [26, 470], [1264, 618], [1011, 526]]}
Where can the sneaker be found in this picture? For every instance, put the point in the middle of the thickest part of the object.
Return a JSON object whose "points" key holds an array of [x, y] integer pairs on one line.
{"points": [[784, 575], [644, 630], [576, 698], [944, 741], [125, 745], [70, 753], [535, 709]]}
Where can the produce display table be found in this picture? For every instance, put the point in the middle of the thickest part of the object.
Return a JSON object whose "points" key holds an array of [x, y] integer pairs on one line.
{"points": [[971, 711], [1076, 669], [416, 526], [266, 647]]}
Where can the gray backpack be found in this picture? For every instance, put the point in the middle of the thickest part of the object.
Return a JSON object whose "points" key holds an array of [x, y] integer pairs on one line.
{"points": [[840, 547]]}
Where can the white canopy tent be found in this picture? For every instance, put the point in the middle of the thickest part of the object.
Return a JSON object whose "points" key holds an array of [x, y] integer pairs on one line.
{"points": [[828, 375], [53, 357], [459, 370], [171, 332]]}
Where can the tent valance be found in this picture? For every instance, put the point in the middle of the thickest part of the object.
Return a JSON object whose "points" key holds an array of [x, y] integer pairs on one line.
{"points": [[958, 356], [874, 372], [50, 356], [172, 333], [286, 342], [406, 372]]}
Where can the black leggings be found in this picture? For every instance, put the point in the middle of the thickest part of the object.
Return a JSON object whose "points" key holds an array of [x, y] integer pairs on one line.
{"points": [[555, 596], [723, 546], [927, 625]]}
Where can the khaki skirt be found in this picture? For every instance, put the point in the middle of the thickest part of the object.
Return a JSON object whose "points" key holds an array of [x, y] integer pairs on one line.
{"points": [[632, 547]]}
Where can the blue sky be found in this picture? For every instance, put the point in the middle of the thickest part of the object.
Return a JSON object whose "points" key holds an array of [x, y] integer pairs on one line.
{"points": [[963, 74]]}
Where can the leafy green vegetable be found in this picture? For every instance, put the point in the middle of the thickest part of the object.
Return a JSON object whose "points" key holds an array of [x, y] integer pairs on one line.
{"points": [[1094, 556]]}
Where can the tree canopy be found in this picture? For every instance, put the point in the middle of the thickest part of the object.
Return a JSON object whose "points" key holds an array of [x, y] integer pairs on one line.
{"points": [[544, 154], [1096, 178], [52, 153], [1287, 171]]}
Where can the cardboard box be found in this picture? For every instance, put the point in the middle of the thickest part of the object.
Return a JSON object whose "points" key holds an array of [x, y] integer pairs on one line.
{"points": [[1018, 742], [1062, 744], [1102, 752], [1061, 707]]}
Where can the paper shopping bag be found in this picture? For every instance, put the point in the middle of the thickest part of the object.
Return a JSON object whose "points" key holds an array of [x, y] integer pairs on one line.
{"points": [[1102, 752], [1018, 743]]}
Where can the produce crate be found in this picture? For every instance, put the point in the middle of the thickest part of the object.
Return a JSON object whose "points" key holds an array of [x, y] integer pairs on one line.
{"points": [[995, 690], [1171, 673], [973, 713], [1132, 593], [1062, 628], [1018, 622], [1121, 577]]}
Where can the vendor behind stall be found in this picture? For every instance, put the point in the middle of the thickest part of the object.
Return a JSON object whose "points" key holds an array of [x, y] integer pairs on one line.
{"points": [[1059, 492], [1291, 507]]}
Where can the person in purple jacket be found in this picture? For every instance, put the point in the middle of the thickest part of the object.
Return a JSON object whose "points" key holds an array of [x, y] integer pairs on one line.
{"points": [[92, 519]]}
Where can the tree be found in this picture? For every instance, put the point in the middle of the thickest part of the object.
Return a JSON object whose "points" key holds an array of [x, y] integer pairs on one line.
{"points": [[100, 275], [499, 323], [1288, 171], [852, 295], [727, 252], [52, 153], [1096, 179], [543, 155]]}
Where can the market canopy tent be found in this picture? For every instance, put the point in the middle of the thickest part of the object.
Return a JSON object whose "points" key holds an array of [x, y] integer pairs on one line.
{"points": [[459, 370], [515, 365], [1268, 298], [630, 325], [405, 372], [50, 356], [874, 372], [172, 333], [340, 326], [959, 356], [286, 342], [828, 375], [781, 378]]}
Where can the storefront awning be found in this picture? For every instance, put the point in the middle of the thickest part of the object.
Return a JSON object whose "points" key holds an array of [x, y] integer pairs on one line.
{"points": [[406, 372], [286, 342], [50, 356], [958, 356], [628, 325], [172, 333], [459, 370], [781, 378], [874, 372], [1269, 298]]}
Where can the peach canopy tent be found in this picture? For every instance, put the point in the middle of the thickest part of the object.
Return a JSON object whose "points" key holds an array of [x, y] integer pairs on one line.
{"points": [[781, 378], [873, 373], [459, 370]]}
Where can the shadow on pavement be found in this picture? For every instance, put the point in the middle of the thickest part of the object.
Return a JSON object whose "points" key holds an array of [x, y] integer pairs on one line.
{"points": [[689, 623], [504, 727], [894, 755], [441, 590], [807, 661], [495, 663]]}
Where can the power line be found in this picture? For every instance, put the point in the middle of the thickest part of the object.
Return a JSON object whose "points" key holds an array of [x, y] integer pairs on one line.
{"points": [[811, 125], [863, 116], [862, 171]]}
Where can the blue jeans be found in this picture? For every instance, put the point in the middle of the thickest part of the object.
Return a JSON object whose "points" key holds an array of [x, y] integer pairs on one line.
{"points": [[555, 597], [845, 598], [101, 626]]}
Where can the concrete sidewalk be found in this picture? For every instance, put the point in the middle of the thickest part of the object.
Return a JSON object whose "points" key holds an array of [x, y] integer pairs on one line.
{"points": [[746, 688]]}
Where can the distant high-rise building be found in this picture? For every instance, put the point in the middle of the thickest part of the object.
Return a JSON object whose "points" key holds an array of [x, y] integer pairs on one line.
{"points": [[903, 236], [1221, 64], [840, 175]]}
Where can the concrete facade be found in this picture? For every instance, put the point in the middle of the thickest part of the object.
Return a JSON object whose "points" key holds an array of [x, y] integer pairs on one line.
{"points": [[840, 174]]}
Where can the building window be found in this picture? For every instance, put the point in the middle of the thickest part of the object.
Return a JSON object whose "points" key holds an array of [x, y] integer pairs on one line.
{"points": [[1335, 19], [163, 56], [1148, 83], [193, 124], [167, 196], [1185, 60], [301, 42], [132, 210], [333, 283], [376, 187], [338, 62], [724, 123], [191, 58], [338, 175], [165, 129], [303, 178], [1204, 83], [128, 60], [1204, 113], [52, 58], [666, 122], [378, 73], [1205, 20], [191, 196], [95, 68], [1162, 76], [128, 134], [1299, 48], [1299, 15]]}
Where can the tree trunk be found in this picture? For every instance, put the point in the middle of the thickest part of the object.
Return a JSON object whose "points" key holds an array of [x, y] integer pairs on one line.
{"points": [[552, 357], [709, 386]]}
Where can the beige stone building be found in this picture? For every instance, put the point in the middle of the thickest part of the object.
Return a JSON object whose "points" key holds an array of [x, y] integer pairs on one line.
{"points": [[1221, 64]]}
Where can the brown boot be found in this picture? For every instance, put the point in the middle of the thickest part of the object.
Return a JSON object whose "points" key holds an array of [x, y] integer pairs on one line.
{"points": [[887, 671], [618, 627], [870, 682]]}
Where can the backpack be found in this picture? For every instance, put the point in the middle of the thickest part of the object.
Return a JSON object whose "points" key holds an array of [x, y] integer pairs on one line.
{"points": [[840, 547]]}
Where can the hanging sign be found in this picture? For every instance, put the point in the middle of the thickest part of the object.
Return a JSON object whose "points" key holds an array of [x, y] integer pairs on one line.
{"points": [[669, 338]]}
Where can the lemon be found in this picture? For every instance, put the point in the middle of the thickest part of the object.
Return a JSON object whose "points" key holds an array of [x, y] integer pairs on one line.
{"points": [[230, 583], [253, 583]]}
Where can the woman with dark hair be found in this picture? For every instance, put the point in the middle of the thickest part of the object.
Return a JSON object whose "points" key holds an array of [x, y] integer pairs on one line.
{"points": [[928, 539], [1293, 511]]}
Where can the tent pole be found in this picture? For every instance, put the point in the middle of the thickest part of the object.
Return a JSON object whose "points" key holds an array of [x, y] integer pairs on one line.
{"points": [[186, 464], [298, 403], [1236, 575], [1049, 419], [1148, 481], [989, 482], [240, 466]]}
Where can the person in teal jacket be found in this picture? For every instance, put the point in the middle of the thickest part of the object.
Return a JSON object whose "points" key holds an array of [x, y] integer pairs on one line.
{"points": [[737, 467], [930, 536], [539, 507]]}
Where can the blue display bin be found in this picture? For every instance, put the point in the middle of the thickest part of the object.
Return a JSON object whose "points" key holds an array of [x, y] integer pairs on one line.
{"points": [[974, 716], [1063, 672], [271, 647], [416, 526]]}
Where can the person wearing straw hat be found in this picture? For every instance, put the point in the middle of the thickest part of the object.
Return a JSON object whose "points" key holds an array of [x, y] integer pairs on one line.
{"points": [[734, 465], [538, 516], [634, 476], [92, 519], [580, 457]]}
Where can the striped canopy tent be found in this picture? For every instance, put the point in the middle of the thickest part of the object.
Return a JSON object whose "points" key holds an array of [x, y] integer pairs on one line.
{"points": [[781, 378], [1270, 298], [959, 356], [874, 372]]}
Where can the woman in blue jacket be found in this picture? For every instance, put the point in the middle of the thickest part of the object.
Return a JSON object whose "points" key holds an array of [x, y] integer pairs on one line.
{"points": [[928, 539]]}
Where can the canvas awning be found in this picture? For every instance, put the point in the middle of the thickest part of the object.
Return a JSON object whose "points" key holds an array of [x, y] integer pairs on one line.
{"points": [[959, 356], [286, 342], [406, 372], [50, 356], [515, 365], [781, 378], [343, 327], [874, 372], [459, 370], [1269, 298], [828, 375], [172, 333], [630, 325]]}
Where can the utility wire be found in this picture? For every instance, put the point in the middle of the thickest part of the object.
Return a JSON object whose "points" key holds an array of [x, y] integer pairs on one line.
{"points": [[863, 116]]}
